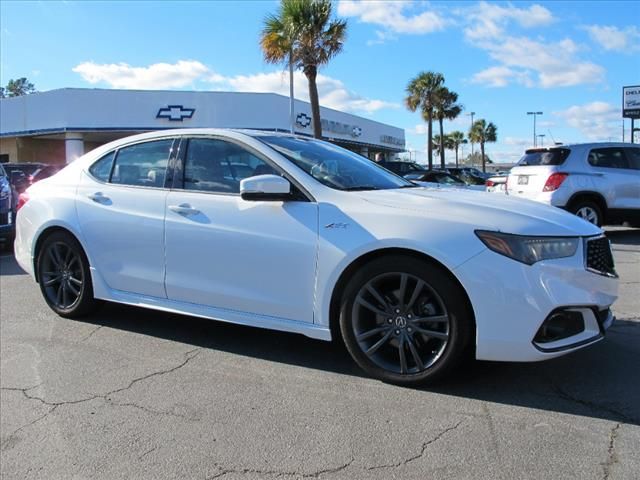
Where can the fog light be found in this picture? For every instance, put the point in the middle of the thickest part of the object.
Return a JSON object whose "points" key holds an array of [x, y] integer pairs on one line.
{"points": [[560, 324]]}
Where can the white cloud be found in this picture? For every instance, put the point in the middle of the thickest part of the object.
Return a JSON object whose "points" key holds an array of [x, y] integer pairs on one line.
{"points": [[553, 64], [613, 39], [488, 20], [517, 142], [332, 92], [154, 77], [393, 16], [420, 129], [501, 76], [595, 120]]}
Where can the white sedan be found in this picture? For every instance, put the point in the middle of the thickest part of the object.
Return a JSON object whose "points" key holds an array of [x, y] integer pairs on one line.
{"points": [[300, 235]]}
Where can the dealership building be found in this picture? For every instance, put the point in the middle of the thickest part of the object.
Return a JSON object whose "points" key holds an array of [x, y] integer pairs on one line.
{"points": [[58, 126]]}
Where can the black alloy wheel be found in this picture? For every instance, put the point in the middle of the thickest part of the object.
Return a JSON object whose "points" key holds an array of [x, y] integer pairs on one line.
{"points": [[64, 276], [405, 321]]}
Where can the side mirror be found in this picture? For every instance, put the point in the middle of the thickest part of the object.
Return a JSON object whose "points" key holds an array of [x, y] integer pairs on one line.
{"points": [[265, 187]]}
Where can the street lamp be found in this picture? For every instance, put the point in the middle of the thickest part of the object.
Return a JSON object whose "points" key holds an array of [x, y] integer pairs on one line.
{"points": [[471, 114], [541, 137], [535, 114]]}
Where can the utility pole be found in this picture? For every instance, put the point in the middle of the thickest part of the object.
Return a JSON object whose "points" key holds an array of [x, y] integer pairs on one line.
{"points": [[291, 99], [541, 137], [471, 114], [535, 114]]}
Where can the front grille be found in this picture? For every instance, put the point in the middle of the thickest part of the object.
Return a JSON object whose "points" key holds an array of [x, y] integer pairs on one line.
{"points": [[598, 256]]}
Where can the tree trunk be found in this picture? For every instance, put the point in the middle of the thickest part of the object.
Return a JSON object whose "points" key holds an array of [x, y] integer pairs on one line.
{"points": [[456, 155], [430, 140], [441, 144], [484, 168], [311, 71]]}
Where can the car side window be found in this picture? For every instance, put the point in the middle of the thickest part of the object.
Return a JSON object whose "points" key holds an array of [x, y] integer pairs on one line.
{"points": [[633, 155], [214, 165], [101, 169], [143, 164], [608, 158]]}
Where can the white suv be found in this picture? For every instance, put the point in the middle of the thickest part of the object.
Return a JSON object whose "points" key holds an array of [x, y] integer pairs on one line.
{"points": [[599, 182]]}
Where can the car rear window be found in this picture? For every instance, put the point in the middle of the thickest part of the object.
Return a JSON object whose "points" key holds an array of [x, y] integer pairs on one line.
{"points": [[555, 156]]}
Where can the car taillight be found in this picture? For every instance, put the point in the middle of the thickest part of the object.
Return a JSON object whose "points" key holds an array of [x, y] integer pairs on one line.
{"points": [[554, 181], [490, 183], [22, 199]]}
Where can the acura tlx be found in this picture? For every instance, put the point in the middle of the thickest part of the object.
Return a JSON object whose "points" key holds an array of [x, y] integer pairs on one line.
{"points": [[299, 235]]}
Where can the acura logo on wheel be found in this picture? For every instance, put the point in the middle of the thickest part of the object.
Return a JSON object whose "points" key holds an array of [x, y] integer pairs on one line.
{"points": [[401, 322]]}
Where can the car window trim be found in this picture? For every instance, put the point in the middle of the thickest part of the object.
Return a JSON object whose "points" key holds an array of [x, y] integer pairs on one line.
{"points": [[178, 179]]}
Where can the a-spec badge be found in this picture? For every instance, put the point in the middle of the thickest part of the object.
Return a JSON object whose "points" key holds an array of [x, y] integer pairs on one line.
{"points": [[336, 225]]}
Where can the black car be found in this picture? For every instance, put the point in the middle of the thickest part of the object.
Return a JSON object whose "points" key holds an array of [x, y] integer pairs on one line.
{"points": [[19, 174], [469, 175], [436, 176], [402, 168]]}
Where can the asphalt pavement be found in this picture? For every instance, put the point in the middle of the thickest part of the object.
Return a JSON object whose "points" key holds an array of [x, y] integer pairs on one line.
{"points": [[136, 394]]}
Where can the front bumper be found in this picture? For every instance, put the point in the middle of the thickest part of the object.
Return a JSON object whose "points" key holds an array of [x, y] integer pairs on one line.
{"points": [[511, 301]]}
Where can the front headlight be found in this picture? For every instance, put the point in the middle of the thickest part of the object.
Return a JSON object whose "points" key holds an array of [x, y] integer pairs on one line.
{"points": [[526, 249]]}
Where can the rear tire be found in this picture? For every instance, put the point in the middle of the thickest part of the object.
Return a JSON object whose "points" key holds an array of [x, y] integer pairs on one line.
{"points": [[589, 211], [64, 276], [405, 321]]}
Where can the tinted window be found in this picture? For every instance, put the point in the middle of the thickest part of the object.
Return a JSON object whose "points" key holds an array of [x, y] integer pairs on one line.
{"points": [[555, 156], [608, 158], [144, 164], [102, 168], [213, 165], [334, 166], [633, 156]]}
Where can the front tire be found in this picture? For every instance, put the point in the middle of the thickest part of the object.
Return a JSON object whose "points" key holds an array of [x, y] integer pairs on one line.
{"points": [[64, 276], [405, 321]]}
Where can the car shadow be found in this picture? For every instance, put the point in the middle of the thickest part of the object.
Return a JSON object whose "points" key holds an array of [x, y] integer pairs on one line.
{"points": [[600, 381], [628, 236]]}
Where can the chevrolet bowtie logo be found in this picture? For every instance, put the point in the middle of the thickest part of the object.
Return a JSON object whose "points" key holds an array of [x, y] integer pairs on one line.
{"points": [[175, 113], [303, 120]]}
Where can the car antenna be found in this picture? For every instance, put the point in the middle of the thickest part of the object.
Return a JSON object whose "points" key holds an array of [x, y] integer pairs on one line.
{"points": [[551, 135]]}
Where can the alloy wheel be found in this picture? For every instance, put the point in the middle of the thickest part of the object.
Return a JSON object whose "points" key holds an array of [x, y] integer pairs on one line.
{"points": [[61, 275], [400, 323], [588, 213]]}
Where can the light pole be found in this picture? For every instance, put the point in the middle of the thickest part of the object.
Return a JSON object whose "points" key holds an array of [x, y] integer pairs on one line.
{"points": [[541, 137], [535, 114], [471, 114]]}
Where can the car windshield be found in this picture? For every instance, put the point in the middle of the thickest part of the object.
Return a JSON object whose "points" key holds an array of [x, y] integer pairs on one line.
{"points": [[334, 166], [557, 156]]}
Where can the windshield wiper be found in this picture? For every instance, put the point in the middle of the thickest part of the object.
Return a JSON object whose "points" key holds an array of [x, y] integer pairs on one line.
{"points": [[358, 188]]}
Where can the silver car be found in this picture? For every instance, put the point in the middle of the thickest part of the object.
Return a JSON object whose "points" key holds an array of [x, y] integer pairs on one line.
{"points": [[599, 182]]}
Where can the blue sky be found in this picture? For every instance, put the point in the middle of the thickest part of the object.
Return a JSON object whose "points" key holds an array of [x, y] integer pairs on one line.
{"points": [[566, 59]]}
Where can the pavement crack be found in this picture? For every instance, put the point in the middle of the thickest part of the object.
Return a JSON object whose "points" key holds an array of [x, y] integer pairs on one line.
{"points": [[277, 473], [423, 450], [91, 333], [592, 405], [33, 422], [612, 456]]}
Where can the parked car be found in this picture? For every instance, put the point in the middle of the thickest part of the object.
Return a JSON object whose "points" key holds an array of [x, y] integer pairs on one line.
{"points": [[469, 175], [329, 245], [19, 174], [439, 178], [496, 184], [6, 210], [402, 168], [599, 182]]}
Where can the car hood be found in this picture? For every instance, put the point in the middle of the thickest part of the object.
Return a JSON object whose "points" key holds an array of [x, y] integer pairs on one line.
{"points": [[483, 210]]}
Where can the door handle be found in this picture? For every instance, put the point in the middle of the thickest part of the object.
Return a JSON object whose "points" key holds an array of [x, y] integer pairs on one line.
{"points": [[184, 209], [99, 197]]}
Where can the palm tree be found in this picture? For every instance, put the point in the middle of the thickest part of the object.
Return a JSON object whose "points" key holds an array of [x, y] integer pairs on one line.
{"points": [[446, 107], [303, 33], [456, 139], [482, 132], [421, 93]]}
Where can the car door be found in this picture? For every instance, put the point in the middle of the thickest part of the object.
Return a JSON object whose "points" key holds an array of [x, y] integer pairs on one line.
{"points": [[620, 180], [121, 206], [257, 257]]}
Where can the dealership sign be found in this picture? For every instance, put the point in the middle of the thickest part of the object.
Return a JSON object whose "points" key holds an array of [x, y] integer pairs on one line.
{"points": [[631, 102]]}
